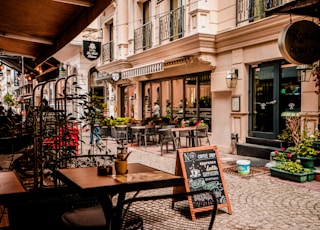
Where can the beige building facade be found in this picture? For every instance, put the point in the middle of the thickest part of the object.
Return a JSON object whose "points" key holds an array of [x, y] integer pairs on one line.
{"points": [[179, 52]]}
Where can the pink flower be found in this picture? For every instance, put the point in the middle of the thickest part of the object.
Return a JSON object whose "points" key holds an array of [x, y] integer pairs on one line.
{"points": [[283, 148], [276, 152], [289, 155]]}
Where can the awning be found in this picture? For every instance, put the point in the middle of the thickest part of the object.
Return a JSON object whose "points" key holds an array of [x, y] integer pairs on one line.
{"points": [[143, 70]]}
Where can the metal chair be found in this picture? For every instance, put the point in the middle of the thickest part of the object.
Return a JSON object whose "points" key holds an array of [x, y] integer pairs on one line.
{"points": [[201, 132], [170, 211], [122, 132], [148, 134], [185, 134], [166, 137], [82, 211]]}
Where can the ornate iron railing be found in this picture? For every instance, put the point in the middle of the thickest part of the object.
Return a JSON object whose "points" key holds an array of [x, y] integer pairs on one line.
{"points": [[107, 52], [171, 25], [253, 10], [143, 37]]}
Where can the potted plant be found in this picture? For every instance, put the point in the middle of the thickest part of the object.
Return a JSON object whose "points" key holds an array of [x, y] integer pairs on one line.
{"points": [[315, 73], [306, 152], [283, 155], [292, 170]]}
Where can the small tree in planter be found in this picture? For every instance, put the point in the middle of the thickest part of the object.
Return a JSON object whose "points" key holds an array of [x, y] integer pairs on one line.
{"points": [[303, 143]]}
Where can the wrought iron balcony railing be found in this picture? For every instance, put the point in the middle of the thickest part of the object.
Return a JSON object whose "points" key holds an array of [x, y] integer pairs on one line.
{"points": [[143, 37], [107, 52], [171, 25], [253, 10]]}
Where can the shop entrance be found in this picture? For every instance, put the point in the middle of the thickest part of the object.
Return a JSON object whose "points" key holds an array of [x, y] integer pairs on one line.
{"points": [[275, 96]]}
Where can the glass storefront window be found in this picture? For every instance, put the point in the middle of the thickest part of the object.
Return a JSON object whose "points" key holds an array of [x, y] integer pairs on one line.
{"points": [[184, 97], [127, 101]]}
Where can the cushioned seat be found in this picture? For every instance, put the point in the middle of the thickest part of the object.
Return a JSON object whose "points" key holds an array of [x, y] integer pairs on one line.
{"points": [[85, 218]]}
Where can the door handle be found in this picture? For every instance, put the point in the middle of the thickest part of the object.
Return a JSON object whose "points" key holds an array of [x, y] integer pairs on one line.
{"points": [[271, 102]]}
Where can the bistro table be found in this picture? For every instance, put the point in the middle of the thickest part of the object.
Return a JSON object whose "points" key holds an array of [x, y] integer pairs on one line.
{"points": [[11, 188], [10, 185], [139, 177]]}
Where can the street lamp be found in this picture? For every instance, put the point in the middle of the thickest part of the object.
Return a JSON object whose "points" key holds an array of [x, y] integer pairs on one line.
{"points": [[232, 79]]}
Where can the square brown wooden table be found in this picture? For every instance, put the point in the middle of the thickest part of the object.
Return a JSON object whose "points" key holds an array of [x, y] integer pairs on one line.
{"points": [[10, 186], [139, 177]]}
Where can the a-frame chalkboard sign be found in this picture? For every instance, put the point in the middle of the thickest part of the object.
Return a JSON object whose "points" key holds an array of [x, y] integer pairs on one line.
{"points": [[202, 170]]}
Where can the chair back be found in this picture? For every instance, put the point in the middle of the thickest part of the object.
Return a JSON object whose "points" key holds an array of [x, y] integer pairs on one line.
{"points": [[202, 131], [165, 135], [170, 211], [150, 130]]}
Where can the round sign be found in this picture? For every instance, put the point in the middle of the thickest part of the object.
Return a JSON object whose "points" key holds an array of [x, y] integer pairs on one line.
{"points": [[299, 42]]}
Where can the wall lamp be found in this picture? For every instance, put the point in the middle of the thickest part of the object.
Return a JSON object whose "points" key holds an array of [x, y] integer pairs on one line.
{"points": [[232, 79], [302, 72]]}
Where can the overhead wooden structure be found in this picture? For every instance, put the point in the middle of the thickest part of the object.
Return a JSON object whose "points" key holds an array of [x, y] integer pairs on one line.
{"points": [[36, 30]]}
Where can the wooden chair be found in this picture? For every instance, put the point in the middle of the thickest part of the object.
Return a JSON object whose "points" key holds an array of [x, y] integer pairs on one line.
{"points": [[170, 211]]}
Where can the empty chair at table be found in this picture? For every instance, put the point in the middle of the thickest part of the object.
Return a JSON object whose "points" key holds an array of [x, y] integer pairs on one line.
{"points": [[122, 132], [186, 135], [148, 134], [134, 133], [200, 133], [165, 138], [83, 211]]}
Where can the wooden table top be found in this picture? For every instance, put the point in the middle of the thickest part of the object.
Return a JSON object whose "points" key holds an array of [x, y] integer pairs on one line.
{"points": [[139, 177], [187, 128], [10, 184]]}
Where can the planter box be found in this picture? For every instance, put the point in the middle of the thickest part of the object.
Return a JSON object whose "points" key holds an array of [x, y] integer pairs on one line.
{"points": [[298, 177]]}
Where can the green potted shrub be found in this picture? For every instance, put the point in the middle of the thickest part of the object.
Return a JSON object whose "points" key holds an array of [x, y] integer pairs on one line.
{"points": [[306, 152], [292, 170]]}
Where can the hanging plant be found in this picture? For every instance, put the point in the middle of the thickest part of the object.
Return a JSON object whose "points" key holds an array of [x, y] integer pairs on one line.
{"points": [[315, 74]]}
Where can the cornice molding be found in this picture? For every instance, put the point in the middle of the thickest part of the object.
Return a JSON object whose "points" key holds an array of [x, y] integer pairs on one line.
{"points": [[262, 31], [187, 46]]}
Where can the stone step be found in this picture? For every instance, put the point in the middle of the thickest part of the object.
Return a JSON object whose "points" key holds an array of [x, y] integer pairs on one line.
{"points": [[265, 142], [255, 150]]}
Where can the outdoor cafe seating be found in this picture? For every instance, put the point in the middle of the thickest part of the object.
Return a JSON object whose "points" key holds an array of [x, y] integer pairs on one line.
{"points": [[166, 137]]}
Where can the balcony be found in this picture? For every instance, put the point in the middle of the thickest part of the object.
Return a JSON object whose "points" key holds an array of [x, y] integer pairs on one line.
{"points": [[170, 28], [171, 25], [107, 52], [253, 10], [143, 37]]}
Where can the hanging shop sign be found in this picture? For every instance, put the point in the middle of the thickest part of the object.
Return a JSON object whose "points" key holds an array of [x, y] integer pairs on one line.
{"points": [[91, 50], [299, 42]]}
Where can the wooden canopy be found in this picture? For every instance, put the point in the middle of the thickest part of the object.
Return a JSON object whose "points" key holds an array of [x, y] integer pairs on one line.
{"points": [[36, 30]]}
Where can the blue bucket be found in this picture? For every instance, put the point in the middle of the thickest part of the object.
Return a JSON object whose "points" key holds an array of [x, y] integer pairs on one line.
{"points": [[243, 166]]}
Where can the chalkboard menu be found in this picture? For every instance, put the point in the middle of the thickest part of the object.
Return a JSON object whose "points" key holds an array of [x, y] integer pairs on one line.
{"points": [[202, 170]]}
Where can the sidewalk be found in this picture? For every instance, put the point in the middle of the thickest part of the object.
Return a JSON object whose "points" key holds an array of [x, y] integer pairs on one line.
{"points": [[259, 201]]}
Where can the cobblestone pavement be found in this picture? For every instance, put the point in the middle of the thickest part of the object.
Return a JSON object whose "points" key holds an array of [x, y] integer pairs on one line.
{"points": [[258, 202]]}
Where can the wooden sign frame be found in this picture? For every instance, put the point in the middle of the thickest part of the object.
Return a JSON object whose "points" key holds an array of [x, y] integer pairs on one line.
{"points": [[210, 159]]}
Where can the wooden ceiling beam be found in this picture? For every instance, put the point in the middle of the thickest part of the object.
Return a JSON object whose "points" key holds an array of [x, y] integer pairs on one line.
{"points": [[76, 2], [27, 38]]}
